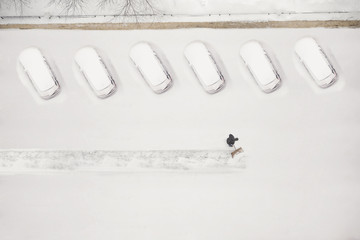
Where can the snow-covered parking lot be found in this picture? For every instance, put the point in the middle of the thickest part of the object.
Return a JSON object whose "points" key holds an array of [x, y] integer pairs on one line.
{"points": [[185, 117], [301, 179]]}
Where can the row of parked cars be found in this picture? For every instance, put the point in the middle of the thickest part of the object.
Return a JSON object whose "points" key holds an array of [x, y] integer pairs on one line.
{"points": [[154, 70]]}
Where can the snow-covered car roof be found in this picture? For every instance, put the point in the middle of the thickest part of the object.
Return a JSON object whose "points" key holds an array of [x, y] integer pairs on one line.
{"points": [[150, 67], [204, 66], [39, 72], [315, 61], [260, 65], [95, 71]]}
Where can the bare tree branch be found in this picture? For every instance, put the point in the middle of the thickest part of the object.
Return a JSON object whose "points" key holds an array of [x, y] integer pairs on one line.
{"points": [[128, 8], [125, 8], [17, 4], [103, 3], [69, 6]]}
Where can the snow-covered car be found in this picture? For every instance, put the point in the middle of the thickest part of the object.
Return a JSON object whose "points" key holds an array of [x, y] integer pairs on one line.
{"points": [[94, 70], [39, 72], [151, 67], [260, 66], [315, 61], [204, 66]]}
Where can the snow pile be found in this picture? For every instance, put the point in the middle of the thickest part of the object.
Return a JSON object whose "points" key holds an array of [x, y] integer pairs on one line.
{"points": [[15, 161]]}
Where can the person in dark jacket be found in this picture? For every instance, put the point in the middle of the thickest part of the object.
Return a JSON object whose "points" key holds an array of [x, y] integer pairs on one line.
{"points": [[231, 140]]}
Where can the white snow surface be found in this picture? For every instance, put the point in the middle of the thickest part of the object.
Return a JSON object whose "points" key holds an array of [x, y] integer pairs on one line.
{"points": [[273, 199], [301, 179]]}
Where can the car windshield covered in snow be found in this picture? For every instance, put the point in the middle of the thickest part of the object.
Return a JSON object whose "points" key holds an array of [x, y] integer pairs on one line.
{"points": [[315, 61], [260, 66], [95, 71], [39, 72], [150, 67], [203, 64]]}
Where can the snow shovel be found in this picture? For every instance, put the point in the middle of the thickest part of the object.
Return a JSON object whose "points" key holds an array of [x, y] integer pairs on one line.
{"points": [[237, 151]]}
